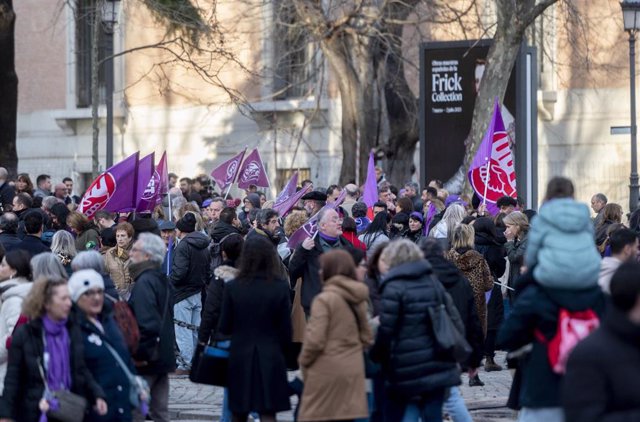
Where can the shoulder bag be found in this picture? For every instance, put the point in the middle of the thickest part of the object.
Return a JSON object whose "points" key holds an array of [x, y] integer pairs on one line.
{"points": [[64, 406], [138, 386]]}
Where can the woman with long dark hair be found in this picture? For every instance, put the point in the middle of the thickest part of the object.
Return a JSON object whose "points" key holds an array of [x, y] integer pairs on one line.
{"points": [[24, 184], [256, 314], [377, 233]]}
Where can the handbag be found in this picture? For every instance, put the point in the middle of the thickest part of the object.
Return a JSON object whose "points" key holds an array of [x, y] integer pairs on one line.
{"points": [[138, 386], [210, 365], [448, 328], [65, 406]]}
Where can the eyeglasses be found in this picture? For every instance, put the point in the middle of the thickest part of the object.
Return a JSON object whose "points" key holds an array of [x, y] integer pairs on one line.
{"points": [[95, 292]]}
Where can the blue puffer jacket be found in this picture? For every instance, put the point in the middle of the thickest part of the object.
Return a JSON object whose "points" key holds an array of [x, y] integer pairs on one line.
{"points": [[405, 344], [561, 248]]}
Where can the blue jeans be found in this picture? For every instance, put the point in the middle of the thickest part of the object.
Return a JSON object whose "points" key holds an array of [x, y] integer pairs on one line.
{"points": [[427, 409], [187, 310], [455, 407]]}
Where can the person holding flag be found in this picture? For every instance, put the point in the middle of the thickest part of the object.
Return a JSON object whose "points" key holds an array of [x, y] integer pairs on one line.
{"points": [[326, 235]]}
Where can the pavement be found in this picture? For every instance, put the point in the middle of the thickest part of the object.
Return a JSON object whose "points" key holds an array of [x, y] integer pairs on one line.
{"points": [[189, 402]]}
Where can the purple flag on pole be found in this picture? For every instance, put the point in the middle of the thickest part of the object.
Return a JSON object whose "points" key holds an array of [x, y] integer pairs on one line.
{"points": [[370, 194], [157, 186], [114, 190], [285, 206], [252, 172], [225, 174], [145, 173], [310, 228], [492, 173], [289, 189]]}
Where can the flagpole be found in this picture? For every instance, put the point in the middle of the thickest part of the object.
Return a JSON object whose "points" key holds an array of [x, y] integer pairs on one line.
{"points": [[235, 176], [486, 183]]}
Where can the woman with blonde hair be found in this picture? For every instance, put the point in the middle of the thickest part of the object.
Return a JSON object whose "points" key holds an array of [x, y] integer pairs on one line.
{"points": [[87, 236], [46, 356], [417, 373], [63, 246], [516, 234], [331, 359]]}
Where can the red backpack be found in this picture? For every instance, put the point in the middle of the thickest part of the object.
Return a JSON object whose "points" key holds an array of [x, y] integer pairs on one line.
{"points": [[126, 321], [572, 328]]}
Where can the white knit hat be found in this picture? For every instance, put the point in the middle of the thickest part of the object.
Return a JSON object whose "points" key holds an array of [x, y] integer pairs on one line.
{"points": [[84, 280]]}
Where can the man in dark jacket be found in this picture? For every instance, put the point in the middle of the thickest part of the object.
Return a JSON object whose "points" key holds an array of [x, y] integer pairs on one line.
{"points": [[8, 230], [33, 226], [189, 274], [602, 383], [304, 261], [152, 303], [226, 225]]}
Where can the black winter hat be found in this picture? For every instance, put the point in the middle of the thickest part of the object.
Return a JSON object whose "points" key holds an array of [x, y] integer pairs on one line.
{"points": [[187, 224]]}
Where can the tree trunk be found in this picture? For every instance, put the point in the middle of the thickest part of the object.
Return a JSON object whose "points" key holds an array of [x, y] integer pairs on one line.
{"points": [[95, 89], [8, 89]]}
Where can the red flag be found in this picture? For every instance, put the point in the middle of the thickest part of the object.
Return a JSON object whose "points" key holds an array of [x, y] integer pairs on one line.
{"points": [[252, 172], [225, 174], [157, 186], [114, 190]]}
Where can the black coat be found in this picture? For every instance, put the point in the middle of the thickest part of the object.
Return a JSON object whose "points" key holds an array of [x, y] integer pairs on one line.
{"points": [[602, 383], [494, 253], [223, 229], [305, 263], [9, 240], [104, 367], [24, 386], [257, 315], [32, 244], [537, 308], [213, 303], [461, 292], [7, 192], [405, 345], [190, 266], [147, 301]]}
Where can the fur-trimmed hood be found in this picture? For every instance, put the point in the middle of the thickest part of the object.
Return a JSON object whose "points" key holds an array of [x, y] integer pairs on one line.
{"points": [[226, 273]]}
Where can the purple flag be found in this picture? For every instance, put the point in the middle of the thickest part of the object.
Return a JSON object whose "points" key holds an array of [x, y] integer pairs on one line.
{"points": [[285, 206], [310, 228], [157, 186], [492, 174], [431, 212], [289, 189], [114, 190], [225, 174], [252, 172], [370, 194], [145, 173]]}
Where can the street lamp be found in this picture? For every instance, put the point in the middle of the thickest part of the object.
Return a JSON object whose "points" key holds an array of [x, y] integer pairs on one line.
{"points": [[109, 15], [631, 19]]}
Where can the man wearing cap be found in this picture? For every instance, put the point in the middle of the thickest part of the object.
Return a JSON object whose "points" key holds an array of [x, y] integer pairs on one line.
{"points": [[314, 201], [189, 275], [305, 260], [168, 235], [151, 301]]}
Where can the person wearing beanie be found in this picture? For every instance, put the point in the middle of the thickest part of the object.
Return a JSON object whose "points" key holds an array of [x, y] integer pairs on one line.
{"points": [[415, 231], [250, 202], [189, 275], [99, 329]]}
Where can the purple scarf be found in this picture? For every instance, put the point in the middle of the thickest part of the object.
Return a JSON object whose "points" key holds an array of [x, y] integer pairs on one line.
{"points": [[57, 346]]}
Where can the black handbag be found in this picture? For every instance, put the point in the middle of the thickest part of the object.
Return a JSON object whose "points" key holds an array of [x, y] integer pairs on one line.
{"points": [[448, 328], [70, 407], [210, 365]]}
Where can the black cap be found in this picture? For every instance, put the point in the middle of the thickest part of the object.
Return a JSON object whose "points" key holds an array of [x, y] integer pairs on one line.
{"points": [[315, 196]]}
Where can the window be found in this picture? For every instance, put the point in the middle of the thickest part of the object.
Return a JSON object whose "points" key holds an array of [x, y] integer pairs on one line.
{"points": [[295, 56], [283, 175], [84, 17]]}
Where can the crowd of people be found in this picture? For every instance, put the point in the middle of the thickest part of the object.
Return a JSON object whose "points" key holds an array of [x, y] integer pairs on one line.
{"points": [[107, 308]]}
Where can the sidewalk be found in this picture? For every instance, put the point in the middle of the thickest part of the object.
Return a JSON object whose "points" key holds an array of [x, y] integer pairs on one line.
{"points": [[194, 402]]}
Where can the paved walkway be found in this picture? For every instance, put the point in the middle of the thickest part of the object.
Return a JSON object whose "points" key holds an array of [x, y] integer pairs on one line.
{"points": [[194, 402]]}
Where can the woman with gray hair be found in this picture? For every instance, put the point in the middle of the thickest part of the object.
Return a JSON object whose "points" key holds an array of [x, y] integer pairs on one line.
{"points": [[443, 231], [63, 245], [93, 260], [417, 372], [47, 265]]}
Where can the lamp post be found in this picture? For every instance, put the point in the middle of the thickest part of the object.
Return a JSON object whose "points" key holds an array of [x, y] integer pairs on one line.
{"points": [[109, 15], [631, 19]]}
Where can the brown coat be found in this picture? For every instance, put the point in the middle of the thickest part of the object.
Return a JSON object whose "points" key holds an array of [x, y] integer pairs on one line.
{"points": [[476, 270], [331, 357], [118, 268]]}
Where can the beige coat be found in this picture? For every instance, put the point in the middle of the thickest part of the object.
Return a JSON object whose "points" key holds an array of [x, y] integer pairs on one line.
{"points": [[331, 358], [118, 268]]}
